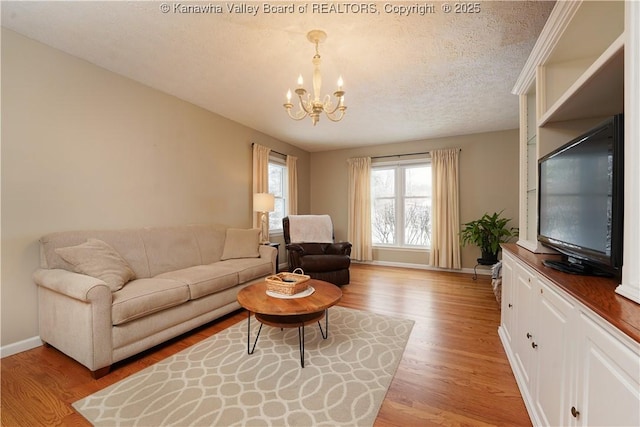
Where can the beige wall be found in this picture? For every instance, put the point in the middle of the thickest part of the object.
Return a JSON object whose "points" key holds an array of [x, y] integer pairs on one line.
{"points": [[488, 183], [85, 148]]}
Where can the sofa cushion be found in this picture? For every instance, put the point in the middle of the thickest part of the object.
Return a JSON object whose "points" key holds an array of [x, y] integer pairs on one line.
{"points": [[210, 240], [145, 296], [170, 248], [249, 268], [97, 259], [127, 243], [241, 243], [204, 279]]}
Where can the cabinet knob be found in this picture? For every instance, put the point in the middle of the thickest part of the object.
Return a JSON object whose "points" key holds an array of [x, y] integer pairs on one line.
{"points": [[574, 412], [510, 305], [529, 335], [534, 345]]}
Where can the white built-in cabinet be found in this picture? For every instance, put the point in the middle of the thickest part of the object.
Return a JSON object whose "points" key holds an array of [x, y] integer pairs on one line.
{"points": [[574, 343], [572, 367], [608, 376], [584, 68]]}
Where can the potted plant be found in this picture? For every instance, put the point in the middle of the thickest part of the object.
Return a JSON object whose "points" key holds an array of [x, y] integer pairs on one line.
{"points": [[487, 233]]}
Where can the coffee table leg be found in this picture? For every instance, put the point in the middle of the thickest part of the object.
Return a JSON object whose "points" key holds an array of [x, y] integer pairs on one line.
{"points": [[325, 333], [301, 343], [250, 350]]}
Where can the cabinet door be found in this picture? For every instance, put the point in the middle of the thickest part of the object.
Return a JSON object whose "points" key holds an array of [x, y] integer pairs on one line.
{"points": [[507, 314], [608, 377], [524, 331], [555, 353]]}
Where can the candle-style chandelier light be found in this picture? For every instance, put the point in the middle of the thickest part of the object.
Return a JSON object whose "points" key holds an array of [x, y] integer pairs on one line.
{"points": [[314, 106]]}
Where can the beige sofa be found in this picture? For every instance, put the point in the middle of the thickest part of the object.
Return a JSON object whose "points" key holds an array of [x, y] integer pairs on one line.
{"points": [[107, 295]]}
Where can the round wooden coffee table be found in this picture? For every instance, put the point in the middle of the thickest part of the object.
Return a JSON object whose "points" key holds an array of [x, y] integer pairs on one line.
{"points": [[286, 312]]}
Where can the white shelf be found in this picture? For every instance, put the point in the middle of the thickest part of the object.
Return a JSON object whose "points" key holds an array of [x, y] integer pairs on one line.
{"points": [[599, 91], [584, 66]]}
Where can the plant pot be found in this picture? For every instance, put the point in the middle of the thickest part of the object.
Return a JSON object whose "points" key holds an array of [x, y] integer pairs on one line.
{"points": [[488, 257]]}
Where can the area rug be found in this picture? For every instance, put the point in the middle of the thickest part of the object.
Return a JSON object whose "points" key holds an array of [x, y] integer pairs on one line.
{"points": [[216, 383]]}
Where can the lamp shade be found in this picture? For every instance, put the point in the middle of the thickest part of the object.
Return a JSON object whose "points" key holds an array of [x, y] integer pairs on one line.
{"points": [[263, 202]]}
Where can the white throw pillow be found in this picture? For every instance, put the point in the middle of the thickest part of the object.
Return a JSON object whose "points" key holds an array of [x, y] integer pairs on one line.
{"points": [[241, 243], [97, 259]]}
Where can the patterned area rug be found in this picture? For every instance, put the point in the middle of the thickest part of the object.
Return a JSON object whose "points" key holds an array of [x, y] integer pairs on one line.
{"points": [[216, 383]]}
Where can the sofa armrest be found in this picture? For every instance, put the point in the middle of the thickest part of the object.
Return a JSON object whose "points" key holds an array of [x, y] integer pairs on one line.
{"points": [[79, 286], [270, 253], [74, 316]]}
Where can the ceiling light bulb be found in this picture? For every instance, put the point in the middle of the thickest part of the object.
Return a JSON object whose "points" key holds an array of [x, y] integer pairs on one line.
{"points": [[300, 80], [340, 83], [289, 96]]}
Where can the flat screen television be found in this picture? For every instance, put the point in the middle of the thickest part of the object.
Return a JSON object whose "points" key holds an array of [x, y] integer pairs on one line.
{"points": [[581, 201]]}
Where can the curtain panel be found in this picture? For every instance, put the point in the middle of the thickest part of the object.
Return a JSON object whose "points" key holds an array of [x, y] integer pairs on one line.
{"points": [[260, 176], [292, 175], [359, 208], [445, 209]]}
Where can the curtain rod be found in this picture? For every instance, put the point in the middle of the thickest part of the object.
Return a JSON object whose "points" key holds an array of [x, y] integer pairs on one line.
{"points": [[273, 151], [402, 155]]}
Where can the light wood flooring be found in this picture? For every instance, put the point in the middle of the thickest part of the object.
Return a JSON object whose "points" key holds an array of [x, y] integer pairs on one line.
{"points": [[454, 370]]}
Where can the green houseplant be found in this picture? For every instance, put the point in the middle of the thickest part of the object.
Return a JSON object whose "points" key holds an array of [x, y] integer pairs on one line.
{"points": [[487, 233]]}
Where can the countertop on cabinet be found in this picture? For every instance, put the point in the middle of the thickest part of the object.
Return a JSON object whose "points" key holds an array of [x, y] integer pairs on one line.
{"points": [[596, 293]]}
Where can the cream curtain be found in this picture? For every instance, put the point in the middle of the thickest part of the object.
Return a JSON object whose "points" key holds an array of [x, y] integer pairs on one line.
{"points": [[292, 172], [359, 221], [445, 209], [260, 176]]}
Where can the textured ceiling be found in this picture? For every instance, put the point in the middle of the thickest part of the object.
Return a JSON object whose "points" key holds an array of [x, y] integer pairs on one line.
{"points": [[407, 77]]}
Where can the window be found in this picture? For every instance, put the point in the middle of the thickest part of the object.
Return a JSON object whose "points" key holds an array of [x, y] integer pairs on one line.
{"points": [[401, 204], [278, 186]]}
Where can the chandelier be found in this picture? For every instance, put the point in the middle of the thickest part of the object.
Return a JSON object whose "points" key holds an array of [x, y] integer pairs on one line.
{"points": [[313, 107]]}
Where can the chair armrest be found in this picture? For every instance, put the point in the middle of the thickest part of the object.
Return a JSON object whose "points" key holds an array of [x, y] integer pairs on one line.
{"points": [[339, 248], [295, 252], [74, 285], [296, 247]]}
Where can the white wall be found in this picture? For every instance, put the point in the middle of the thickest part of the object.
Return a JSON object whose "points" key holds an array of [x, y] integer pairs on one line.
{"points": [[84, 148]]}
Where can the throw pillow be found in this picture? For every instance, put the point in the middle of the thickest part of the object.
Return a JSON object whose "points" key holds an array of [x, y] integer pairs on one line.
{"points": [[97, 259], [241, 243]]}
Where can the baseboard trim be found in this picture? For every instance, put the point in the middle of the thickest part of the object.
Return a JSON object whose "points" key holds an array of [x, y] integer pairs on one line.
{"points": [[479, 271], [20, 346]]}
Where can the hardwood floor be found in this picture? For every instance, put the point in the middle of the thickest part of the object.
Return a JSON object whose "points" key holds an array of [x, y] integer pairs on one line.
{"points": [[454, 370]]}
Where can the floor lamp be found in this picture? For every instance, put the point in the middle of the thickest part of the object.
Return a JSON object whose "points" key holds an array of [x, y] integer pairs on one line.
{"points": [[263, 203]]}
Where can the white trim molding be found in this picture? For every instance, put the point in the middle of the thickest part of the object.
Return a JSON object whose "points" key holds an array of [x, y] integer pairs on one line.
{"points": [[20, 346], [557, 22], [630, 286], [480, 272]]}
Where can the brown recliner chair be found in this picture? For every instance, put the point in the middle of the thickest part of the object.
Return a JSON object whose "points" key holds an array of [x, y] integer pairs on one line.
{"points": [[326, 260]]}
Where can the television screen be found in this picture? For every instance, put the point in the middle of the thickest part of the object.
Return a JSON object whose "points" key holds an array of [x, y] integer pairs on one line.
{"points": [[579, 198], [576, 184]]}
